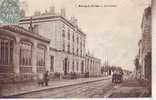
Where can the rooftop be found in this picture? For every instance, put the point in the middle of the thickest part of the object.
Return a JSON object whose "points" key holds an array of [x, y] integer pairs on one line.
{"points": [[21, 30]]}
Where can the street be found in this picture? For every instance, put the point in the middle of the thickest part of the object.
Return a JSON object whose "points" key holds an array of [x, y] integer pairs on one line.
{"points": [[86, 90], [101, 87]]}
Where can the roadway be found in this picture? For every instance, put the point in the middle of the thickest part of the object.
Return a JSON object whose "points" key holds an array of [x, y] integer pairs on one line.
{"points": [[93, 89]]}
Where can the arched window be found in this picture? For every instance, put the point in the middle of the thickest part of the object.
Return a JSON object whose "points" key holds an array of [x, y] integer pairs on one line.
{"points": [[25, 53], [40, 58], [25, 56], [77, 66], [6, 53], [73, 66]]}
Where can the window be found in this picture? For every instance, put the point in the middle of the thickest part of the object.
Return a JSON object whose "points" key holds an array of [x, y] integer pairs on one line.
{"points": [[77, 51], [81, 52], [40, 58], [73, 37], [68, 34], [63, 35], [73, 67], [82, 67], [25, 53], [25, 57], [68, 65], [52, 63], [81, 48], [77, 40], [73, 49], [68, 48], [77, 66], [63, 46], [6, 51]]}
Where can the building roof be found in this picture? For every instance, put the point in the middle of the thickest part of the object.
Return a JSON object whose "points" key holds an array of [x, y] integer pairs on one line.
{"points": [[43, 17], [23, 31]]}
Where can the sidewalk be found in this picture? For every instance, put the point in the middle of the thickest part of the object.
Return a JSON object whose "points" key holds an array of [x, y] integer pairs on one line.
{"points": [[20, 88], [129, 88]]}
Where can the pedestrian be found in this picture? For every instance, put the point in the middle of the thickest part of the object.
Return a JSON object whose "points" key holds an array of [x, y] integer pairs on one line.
{"points": [[114, 77], [40, 80], [46, 78], [122, 75], [117, 77]]}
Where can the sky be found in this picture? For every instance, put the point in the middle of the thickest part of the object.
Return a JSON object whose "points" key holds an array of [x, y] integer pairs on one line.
{"points": [[112, 32]]}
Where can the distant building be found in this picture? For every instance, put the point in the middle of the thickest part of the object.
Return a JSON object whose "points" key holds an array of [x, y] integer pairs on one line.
{"points": [[67, 46], [22, 51], [92, 65], [145, 45]]}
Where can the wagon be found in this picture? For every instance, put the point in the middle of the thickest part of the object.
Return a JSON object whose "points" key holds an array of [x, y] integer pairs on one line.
{"points": [[117, 77]]}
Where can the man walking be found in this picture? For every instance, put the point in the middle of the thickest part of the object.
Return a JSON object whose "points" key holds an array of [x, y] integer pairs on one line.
{"points": [[46, 79]]}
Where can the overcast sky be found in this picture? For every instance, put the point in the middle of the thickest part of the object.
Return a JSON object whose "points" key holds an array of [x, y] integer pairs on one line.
{"points": [[112, 32]]}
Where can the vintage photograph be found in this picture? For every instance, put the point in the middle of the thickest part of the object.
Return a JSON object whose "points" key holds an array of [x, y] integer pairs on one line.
{"points": [[75, 49]]}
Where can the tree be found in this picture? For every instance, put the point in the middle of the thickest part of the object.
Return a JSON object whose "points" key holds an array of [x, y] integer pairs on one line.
{"points": [[23, 8], [9, 11]]}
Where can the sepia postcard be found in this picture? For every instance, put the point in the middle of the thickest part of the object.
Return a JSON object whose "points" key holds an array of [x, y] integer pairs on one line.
{"points": [[76, 49]]}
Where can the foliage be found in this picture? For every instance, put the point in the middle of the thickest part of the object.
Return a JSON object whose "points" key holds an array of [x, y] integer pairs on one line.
{"points": [[9, 11]]}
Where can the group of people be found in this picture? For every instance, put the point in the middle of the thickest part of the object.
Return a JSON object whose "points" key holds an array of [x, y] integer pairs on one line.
{"points": [[117, 77], [43, 79]]}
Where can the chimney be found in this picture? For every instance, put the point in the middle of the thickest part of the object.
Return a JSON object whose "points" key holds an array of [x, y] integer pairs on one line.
{"points": [[73, 20], [52, 10], [63, 12]]}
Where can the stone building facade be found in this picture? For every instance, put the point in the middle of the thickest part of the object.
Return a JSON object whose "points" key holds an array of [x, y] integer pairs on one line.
{"points": [[93, 65], [67, 45], [145, 45], [21, 51]]}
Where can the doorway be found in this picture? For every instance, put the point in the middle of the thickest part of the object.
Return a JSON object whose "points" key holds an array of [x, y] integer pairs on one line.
{"points": [[65, 66]]}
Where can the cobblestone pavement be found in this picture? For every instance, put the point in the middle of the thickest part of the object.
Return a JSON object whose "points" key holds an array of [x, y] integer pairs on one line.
{"points": [[87, 90], [13, 89]]}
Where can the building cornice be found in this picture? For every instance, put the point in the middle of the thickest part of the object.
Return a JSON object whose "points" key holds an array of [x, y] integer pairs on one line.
{"points": [[47, 18], [93, 57], [54, 49]]}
